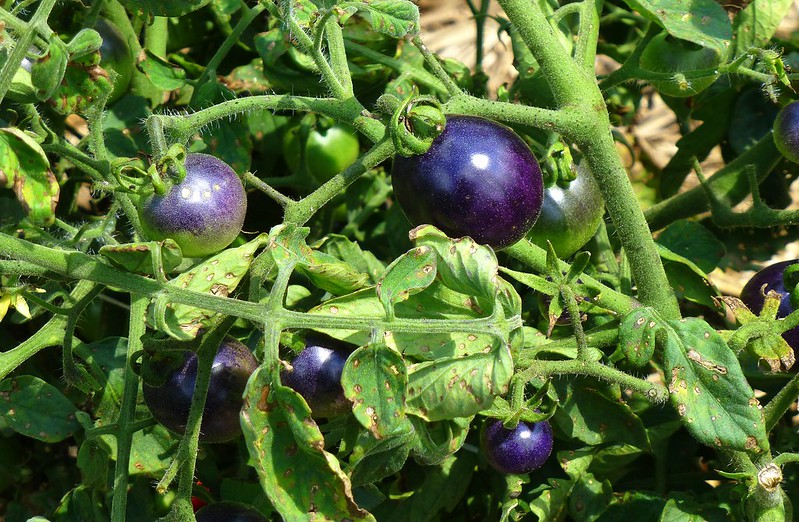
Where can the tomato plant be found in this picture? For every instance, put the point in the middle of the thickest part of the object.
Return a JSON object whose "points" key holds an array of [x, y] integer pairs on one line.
{"points": [[291, 262]]}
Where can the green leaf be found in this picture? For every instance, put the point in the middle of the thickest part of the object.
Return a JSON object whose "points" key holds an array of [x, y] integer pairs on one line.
{"points": [[688, 280], [552, 504], [351, 253], [709, 390], [700, 21], [682, 508], [287, 244], [287, 450], [164, 7], [151, 451], [395, 18], [48, 71], [436, 441], [458, 386], [138, 257], [694, 242], [124, 133], [433, 489], [409, 274], [83, 85], [463, 265], [163, 74], [25, 169], [634, 505], [374, 459], [36, 409], [588, 412], [589, 498], [218, 275], [755, 25], [375, 379], [637, 336]]}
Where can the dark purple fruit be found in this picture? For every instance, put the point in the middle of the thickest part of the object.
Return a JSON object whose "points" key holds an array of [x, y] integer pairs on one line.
{"points": [[478, 179], [203, 213], [786, 131], [520, 450], [170, 402], [229, 512], [316, 375], [771, 278]]}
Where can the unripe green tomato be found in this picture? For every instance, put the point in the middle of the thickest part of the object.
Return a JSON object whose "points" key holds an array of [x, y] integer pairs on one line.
{"points": [[569, 215], [326, 152], [115, 56], [667, 54]]}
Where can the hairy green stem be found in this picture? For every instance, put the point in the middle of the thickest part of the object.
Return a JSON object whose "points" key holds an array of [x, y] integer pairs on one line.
{"points": [[781, 403], [127, 410]]}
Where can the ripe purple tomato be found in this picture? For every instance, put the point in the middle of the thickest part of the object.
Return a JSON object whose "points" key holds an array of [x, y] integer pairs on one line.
{"points": [[478, 179], [170, 402], [771, 278], [229, 512], [316, 375], [520, 450], [203, 213], [786, 131]]}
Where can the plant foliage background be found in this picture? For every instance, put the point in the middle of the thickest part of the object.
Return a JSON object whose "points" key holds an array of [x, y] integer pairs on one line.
{"points": [[668, 400]]}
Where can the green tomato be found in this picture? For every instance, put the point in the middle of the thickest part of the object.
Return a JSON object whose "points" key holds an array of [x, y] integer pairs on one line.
{"points": [[569, 216], [115, 56], [667, 54], [324, 152]]}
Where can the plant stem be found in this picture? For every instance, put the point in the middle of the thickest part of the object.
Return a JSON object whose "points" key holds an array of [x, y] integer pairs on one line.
{"points": [[780, 403], [127, 410]]}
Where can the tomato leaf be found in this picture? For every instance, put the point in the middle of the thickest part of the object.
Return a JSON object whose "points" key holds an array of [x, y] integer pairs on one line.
{"points": [[756, 24], [138, 257], [409, 274], [164, 7], [694, 242], [375, 379], [374, 459], [36, 409], [637, 336], [703, 22], [452, 387], [25, 169], [436, 441], [287, 449], [395, 18]]}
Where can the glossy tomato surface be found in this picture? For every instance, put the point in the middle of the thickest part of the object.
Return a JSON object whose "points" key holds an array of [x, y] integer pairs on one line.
{"points": [[229, 512], [786, 131], [520, 450], [570, 215], [768, 279], [203, 213], [478, 179], [667, 54], [316, 375], [170, 402], [324, 151]]}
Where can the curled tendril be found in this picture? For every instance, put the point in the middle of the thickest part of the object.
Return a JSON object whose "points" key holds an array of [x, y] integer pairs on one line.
{"points": [[173, 161], [416, 123]]}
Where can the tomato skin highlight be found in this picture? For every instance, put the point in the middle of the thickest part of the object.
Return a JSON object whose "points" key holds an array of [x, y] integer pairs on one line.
{"points": [[771, 278], [169, 403], [786, 131], [203, 213], [478, 179], [569, 216], [520, 450]]}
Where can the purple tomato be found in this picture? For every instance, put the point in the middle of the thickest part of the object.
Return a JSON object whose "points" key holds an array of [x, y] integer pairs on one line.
{"points": [[520, 450], [478, 179], [771, 278], [203, 213], [786, 131], [316, 375], [170, 402]]}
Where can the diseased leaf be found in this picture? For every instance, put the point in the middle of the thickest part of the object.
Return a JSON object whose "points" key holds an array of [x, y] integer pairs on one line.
{"points": [[25, 169], [395, 18], [351, 253], [375, 380], [301, 479], [452, 387], [756, 24], [436, 441], [36, 409], [637, 336], [138, 257], [218, 275], [374, 459], [703, 22], [409, 274], [709, 390]]}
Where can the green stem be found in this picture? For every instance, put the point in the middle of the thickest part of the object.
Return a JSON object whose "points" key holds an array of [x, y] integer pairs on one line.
{"points": [[781, 403], [254, 181], [437, 68], [338, 55], [125, 421], [306, 45], [420, 76], [576, 319], [655, 393], [588, 35]]}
